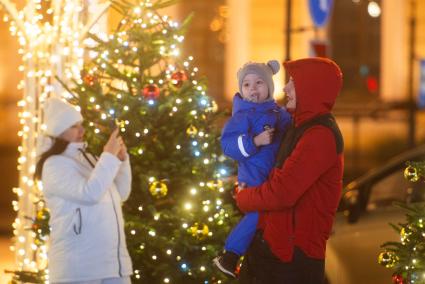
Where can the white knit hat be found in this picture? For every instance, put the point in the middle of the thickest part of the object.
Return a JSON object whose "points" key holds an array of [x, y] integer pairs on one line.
{"points": [[59, 116]]}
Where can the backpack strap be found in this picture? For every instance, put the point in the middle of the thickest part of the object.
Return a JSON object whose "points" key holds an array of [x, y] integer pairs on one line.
{"points": [[294, 134]]}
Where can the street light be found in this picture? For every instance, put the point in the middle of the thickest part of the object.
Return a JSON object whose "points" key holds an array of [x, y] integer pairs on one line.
{"points": [[373, 9], [288, 34]]}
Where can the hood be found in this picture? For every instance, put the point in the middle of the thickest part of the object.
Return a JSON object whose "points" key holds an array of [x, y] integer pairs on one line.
{"points": [[240, 104], [317, 82]]}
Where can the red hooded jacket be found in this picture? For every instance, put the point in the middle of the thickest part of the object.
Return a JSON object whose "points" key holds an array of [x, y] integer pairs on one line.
{"points": [[297, 204]]}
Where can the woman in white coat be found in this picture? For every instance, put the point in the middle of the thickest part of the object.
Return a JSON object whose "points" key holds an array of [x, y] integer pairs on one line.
{"points": [[84, 195]]}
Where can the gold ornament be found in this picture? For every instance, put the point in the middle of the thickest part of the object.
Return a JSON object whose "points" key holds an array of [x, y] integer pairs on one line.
{"points": [[192, 130], [411, 174], [199, 231], [158, 189], [405, 233], [213, 107], [42, 214], [387, 259], [215, 184], [38, 242]]}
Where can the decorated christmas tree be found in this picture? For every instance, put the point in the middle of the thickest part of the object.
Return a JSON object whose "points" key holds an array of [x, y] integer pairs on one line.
{"points": [[181, 208], [407, 257]]}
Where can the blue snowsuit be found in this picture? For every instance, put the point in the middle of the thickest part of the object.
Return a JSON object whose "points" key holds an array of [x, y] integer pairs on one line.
{"points": [[254, 163]]}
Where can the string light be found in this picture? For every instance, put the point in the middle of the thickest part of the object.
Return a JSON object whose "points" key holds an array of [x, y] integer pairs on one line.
{"points": [[49, 48]]}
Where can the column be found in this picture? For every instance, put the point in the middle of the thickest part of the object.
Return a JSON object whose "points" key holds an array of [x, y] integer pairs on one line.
{"points": [[237, 48], [394, 50]]}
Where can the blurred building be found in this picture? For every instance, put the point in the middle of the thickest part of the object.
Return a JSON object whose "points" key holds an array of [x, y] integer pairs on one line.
{"points": [[374, 42], [370, 40]]}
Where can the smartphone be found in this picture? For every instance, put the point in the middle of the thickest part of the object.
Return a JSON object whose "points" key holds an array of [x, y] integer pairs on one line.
{"points": [[112, 125]]}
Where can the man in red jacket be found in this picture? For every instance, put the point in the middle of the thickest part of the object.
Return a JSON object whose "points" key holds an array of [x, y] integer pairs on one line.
{"points": [[297, 203]]}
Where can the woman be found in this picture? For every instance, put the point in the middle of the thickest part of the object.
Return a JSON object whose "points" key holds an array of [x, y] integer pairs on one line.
{"points": [[84, 195]]}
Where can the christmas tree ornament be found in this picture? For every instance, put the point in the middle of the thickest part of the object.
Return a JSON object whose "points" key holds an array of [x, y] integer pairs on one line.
{"points": [[215, 184], [178, 78], [213, 107], [40, 226], [411, 174], [414, 278], [89, 79], [158, 189], [199, 231], [43, 214], [151, 91], [405, 233], [192, 131], [387, 259], [398, 279]]}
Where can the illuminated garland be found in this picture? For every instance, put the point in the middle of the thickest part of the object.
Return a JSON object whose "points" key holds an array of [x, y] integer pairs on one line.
{"points": [[50, 35]]}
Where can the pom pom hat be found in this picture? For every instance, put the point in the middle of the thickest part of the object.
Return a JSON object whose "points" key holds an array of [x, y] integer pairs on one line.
{"points": [[264, 71], [59, 116]]}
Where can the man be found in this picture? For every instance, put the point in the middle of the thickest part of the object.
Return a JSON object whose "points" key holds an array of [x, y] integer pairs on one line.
{"points": [[299, 200]]}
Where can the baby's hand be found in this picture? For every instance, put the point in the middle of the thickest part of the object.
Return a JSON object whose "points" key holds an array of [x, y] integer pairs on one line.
{"points": [[264, 138], [242, 186], [238, 187]]}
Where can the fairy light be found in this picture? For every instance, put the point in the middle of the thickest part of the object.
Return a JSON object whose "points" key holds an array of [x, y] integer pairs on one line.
{"points": [[188, 206]]}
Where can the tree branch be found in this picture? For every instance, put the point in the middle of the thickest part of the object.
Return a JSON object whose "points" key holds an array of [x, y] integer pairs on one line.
{"points": [[94, 20]]}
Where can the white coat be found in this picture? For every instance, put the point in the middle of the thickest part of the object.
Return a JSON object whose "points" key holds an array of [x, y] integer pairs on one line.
{"points": [[87, 239]]}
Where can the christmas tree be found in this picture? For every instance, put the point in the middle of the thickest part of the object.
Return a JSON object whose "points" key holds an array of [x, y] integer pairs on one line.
{"points": [[180, 210], [41, 230], [407, 257]]}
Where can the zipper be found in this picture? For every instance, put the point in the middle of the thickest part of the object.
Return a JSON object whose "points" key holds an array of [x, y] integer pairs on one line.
{"points": [[115, 212], [119, 237]]}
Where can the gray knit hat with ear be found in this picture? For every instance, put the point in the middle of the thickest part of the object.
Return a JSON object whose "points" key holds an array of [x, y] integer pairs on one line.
{"points": [[265, 71]]}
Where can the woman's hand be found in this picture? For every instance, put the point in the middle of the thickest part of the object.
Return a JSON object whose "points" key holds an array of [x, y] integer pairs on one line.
{"points": [[264, 138], [122, 154], [114, 143]]}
